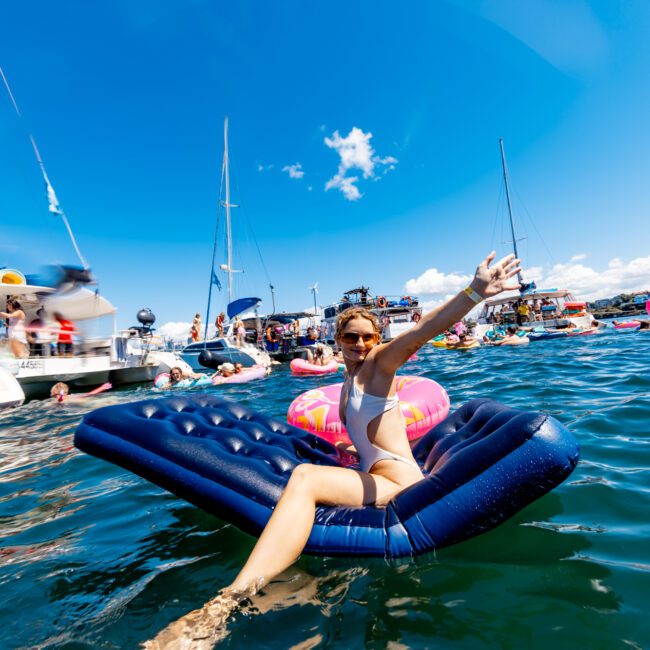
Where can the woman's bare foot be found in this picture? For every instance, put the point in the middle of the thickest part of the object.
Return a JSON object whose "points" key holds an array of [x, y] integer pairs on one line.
{"points": [[202, 628]]}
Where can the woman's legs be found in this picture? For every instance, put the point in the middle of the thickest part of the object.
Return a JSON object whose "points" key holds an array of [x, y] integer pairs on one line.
{"points": [[287, 531], [281, 542], [18, 349]]}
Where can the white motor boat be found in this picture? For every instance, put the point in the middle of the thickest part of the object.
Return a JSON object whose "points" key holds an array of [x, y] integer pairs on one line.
{"points": [[396, 314], [125, 357]]}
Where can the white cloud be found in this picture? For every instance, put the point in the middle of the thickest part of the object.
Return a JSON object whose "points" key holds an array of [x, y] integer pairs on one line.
{"points": [[579, 257], [264, 168], [180, 331], [355, 152], [177, 330], [436, 283], [294, 171], [591, 284], [583, 281]]}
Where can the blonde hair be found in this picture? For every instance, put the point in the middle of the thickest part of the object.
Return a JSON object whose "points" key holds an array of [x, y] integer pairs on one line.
{"points": [[59, 388], [350, 314]]}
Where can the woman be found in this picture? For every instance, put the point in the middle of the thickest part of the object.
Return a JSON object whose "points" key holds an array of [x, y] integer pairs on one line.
{"points": [[177, 375], [369, 409], [16, 333], [321, 356], [221, 319], [240, 332], [195, 330]]}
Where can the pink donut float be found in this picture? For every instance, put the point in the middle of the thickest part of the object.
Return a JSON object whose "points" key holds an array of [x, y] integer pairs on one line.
{"points": [[423, 401], [302, 367]]}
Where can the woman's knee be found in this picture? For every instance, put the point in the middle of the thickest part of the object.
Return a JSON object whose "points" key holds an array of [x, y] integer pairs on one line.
{"points": [[302, 478]]}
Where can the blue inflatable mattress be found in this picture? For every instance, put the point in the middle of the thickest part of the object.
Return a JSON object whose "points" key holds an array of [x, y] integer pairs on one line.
{"points": [[481, 465]]}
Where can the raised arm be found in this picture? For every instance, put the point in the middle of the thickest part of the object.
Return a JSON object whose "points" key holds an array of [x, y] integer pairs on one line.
{"points": [[488, 281]]}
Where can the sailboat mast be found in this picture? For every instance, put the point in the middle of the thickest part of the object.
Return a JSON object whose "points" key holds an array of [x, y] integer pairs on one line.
{"points": [[228, 229], [507, 183]]}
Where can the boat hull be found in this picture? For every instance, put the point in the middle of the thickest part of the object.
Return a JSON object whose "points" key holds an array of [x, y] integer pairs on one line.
{"points": [[37, 376], [223, 351]]}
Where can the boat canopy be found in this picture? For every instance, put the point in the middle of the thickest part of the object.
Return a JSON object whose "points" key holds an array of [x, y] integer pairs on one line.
{"points": [[7, 290], [237, 307], [539, 293], [78, 304]]}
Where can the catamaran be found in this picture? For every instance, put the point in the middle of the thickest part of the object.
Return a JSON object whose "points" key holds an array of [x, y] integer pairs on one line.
{"points": [[209, 352], [548, 308]]}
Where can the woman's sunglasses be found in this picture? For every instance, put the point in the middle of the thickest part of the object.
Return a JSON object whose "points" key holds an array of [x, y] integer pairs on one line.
{"points": [[353, 337]]}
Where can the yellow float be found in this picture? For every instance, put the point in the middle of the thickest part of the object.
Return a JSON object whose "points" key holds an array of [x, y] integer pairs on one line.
{"points": [[11, 276]]}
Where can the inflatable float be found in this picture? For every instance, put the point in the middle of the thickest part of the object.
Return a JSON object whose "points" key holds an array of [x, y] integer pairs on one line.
{"points": [[480, 466], [424, 404], [445, 346], [162, 380], [630, 324], [302, 367], [243, 377], [545, 336]]}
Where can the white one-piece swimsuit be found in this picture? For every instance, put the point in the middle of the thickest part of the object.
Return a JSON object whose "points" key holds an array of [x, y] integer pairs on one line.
{"points": [[362, 408]]}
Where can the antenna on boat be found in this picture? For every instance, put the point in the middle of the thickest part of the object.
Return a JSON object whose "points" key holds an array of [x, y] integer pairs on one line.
{"points": [[314, 291], [512, 225], [54, 206], [272, 296]]}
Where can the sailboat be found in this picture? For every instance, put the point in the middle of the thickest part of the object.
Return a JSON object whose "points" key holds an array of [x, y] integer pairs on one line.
{"points": [[210, 352], [557, 307]]}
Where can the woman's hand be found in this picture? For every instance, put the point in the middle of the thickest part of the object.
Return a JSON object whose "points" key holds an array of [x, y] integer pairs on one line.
{"points": [[489, 281]]}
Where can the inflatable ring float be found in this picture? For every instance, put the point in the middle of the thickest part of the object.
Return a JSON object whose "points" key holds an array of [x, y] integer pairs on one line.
{"points": [[480, 466], [424, 404]]}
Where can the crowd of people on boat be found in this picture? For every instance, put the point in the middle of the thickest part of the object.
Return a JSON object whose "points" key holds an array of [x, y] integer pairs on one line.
{"points": [[49, 334], [276, 334], [525, 311]]}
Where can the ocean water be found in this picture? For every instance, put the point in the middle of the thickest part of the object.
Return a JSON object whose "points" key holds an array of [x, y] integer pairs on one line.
{"points": [[92, 556]]}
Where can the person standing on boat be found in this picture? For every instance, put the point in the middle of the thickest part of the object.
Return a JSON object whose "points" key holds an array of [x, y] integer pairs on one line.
{"points": [[67, 329], [16, 333], [522, 312], [369, 407], [240, 332], [221, 319], [195, 330], [42, 333]]}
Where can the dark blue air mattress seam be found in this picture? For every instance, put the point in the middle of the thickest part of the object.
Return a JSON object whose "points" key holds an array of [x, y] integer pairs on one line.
{"points": [[404, 529]]}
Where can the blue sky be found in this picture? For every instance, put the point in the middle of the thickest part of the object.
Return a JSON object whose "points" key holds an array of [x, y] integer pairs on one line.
{"points": [[126, 101]]}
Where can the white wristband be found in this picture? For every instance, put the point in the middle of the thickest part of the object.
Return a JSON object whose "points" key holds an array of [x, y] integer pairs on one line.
{"points": [[472, 295]]}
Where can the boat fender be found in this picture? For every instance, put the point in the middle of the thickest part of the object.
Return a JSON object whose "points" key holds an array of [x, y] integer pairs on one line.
{"points": [[208, 359]]}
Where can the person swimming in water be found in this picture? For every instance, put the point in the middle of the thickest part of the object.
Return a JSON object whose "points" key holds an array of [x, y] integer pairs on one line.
{"points": [[369, 407]]}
